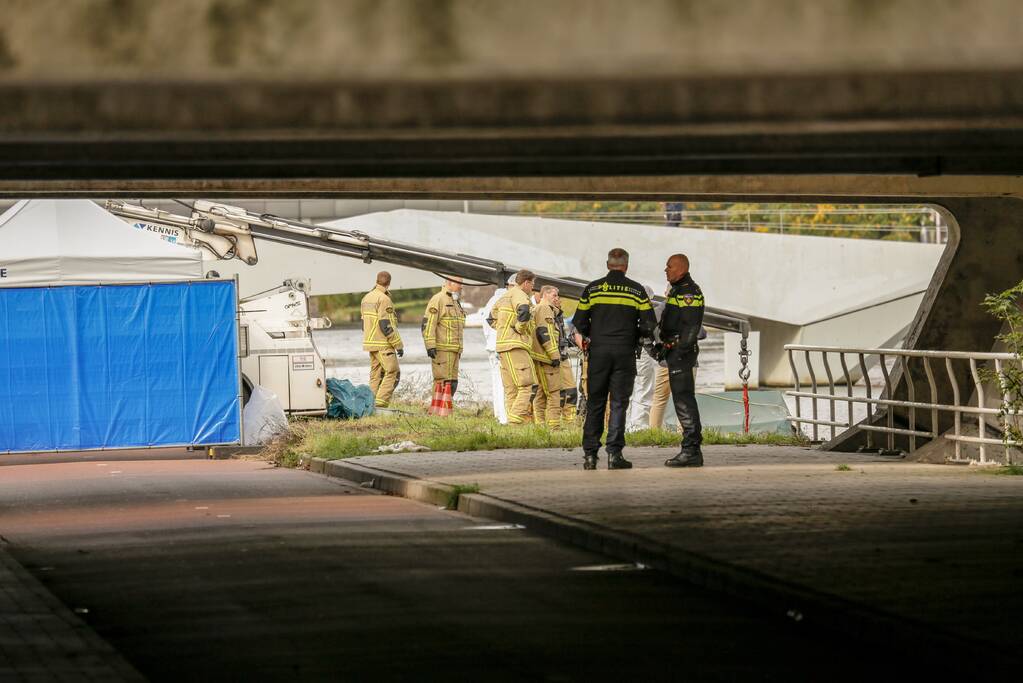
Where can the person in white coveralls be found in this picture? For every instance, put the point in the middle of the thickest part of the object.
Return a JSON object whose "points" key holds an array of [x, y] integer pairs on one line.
{"points": [[646, 372], [490, 342]]}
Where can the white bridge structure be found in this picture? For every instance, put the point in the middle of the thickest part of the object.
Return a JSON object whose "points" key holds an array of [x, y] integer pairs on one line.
{"points": [[794, 289]]}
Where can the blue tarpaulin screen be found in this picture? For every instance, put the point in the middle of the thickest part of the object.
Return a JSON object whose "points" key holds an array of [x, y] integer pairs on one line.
{"points": [[117, 366]]}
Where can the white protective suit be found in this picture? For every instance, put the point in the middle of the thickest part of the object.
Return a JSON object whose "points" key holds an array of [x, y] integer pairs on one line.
{"points": [[490, 342], [638, 416]]}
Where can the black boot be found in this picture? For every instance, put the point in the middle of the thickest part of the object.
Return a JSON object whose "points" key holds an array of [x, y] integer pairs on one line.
{"points": [[589, 461], [616, 461], [686, 458]]}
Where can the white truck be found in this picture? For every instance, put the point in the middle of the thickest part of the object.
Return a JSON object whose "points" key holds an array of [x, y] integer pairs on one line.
{"points": [[278, 350]]}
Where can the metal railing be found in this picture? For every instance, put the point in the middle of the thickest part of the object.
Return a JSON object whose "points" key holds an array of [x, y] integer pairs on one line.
{"points": [[884, 404]]}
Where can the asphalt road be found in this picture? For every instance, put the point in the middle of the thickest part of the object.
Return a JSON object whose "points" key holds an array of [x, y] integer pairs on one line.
{"points": [[203, 570]]}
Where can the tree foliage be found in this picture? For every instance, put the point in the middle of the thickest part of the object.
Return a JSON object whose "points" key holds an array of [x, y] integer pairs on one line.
{"points": [[1005, 307]]}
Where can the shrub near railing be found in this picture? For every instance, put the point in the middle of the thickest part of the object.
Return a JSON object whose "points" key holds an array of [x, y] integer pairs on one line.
{"points": [[1005, 307]]}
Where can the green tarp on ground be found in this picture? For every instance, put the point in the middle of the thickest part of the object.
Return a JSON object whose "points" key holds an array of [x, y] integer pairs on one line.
{"points": [[347, 401]]}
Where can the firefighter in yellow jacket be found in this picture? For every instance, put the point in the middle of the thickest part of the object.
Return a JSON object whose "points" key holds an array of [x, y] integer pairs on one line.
{"points": [[380, 337], [514, 341], [443, 323], [546, 353]]}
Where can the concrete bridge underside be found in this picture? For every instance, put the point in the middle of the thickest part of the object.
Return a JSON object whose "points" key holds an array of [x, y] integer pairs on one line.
{"points": [[776, 100]]}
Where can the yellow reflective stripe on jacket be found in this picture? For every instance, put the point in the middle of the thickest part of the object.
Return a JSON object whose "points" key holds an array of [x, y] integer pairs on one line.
{"points": [[680, 300], [394, 339], [511, 334], [523, 328], [543, 316], [616, 298], [371, 338], [445, 322], [373, 309], [508, 337], [450, 328], [430, 329]]}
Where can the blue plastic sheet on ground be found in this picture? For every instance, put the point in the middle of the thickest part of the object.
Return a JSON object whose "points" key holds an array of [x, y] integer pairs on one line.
{"points": [[347, 401], [118, 366]]}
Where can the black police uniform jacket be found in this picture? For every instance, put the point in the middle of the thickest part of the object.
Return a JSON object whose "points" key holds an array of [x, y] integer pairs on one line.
{"points": [[682, 319], [614, 312]]}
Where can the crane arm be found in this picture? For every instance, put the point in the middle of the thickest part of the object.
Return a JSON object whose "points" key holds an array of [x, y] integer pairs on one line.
{"points": [[238, 228]]}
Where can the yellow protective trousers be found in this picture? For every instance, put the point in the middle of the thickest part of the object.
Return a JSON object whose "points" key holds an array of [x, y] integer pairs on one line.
{"points": [[517, 378], [445, 365], [547, 403], [383, 375], [568, 408]]}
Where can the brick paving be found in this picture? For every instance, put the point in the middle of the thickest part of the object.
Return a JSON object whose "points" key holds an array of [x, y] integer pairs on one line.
{"points": [[42, 640], [939, 544]]}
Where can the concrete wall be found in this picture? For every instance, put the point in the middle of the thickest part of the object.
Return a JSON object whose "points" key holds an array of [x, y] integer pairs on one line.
{"points": [[796, 279], [360, 39], [326, 98], [883, 325], [795, 288]]}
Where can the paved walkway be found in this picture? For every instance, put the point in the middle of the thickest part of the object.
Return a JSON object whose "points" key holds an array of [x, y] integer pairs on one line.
{"points": [[233, 570], [937, 544], [42, 640]]}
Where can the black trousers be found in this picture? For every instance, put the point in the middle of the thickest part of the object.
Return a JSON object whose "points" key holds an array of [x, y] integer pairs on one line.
{"points": [[611, 371], [683, 395]]}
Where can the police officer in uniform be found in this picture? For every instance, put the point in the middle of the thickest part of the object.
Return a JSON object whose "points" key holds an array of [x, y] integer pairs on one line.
{"points": [[680, 328], [443, 326], [380, 337], [614, 314], [514, 340]]}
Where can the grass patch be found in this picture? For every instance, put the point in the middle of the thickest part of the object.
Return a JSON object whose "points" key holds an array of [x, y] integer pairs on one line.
{"points": [[1009, 470], [843, 468], [466, 430], [457, 491]]}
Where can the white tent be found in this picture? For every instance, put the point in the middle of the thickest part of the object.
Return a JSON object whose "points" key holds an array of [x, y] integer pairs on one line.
{"points": [[76, 242]]}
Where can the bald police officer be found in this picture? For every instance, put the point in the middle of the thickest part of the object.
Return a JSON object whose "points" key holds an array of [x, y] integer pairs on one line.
{"points": [[614, 313], [680, 328]]}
